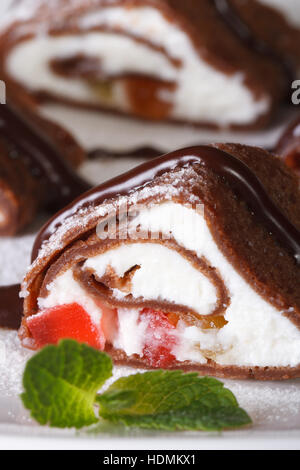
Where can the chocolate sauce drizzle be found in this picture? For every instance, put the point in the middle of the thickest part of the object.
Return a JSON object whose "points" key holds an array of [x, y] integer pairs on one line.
{"points": [[41, 156], [139, 152], [240, 177], [231, 17], [11, 307]]}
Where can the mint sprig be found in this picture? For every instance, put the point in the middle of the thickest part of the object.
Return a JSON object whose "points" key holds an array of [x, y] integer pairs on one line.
{"points": [[61, 384], [171, 400]]}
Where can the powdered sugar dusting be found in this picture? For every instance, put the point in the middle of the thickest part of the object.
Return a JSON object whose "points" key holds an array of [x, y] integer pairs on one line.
{"points": [[271, 405], [15, 257], [13, 358]]}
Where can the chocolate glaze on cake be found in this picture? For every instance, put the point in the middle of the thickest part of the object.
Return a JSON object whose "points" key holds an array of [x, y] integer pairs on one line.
{"points": [[41, 156], [37, 160], [139, 152], [231, 16], [11, 307], [269, 25], [226, 166]]}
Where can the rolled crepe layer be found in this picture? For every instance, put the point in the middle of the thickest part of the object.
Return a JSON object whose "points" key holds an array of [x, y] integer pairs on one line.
{"points": [[274, 22], [152, 59], [174, 265]]}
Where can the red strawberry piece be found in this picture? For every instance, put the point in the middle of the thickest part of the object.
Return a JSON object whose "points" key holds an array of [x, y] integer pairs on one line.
{"points": [[65, 321], [160, 338]]}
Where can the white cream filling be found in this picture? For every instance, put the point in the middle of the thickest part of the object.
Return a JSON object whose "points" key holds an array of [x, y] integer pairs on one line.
{"points": [[290, 9], [129, 321], [202, 94], [118, 54], [257, 334], [65, 290], [163, 275]]}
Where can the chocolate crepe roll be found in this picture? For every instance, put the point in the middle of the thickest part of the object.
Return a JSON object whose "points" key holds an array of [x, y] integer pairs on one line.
{"points": [[189, 261], [288, 146], [37, 158], [153, 59], [275, 22]]}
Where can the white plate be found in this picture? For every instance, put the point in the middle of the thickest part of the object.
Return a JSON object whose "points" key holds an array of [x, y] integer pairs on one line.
{"points": [[273, 406]]}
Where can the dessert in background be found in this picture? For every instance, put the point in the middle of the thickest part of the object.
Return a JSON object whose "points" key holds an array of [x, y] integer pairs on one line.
{"points": [[288, 147], [188, 261], [37, 163], [275, 22], [159, 60]]}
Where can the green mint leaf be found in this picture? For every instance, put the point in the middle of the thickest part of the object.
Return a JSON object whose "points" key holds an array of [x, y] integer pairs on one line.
{"points": [[116, 400], [61, 382], [171, 400]]}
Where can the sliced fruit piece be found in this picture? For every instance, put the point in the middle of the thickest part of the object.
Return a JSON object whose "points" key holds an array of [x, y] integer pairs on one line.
{"points": [[160, 338], [109, 322], [65, 321]]}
